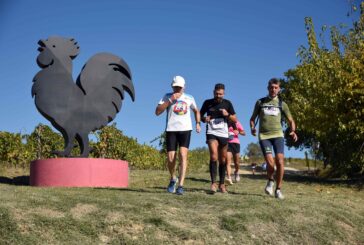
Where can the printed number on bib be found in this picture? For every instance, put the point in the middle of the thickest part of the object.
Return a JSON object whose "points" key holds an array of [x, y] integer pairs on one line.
{"points": [[217, 123], [271, 111]]}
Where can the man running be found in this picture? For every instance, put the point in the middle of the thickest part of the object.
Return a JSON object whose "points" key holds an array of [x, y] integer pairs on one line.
{"points": [[269, 110], [218, 111], [178, 130]]}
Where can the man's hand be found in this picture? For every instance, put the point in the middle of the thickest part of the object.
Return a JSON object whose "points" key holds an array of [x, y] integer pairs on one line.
{"points": [[224, 112], [175, 96], [254, 132], [293, 135], [198, 128], [207, 119]]}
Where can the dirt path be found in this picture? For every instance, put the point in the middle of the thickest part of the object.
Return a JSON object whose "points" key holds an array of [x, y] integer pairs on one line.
{"points": [[246, 168]]}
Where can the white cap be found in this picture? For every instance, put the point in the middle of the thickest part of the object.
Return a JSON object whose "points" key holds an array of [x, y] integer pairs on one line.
{"points": [[178, 81]]}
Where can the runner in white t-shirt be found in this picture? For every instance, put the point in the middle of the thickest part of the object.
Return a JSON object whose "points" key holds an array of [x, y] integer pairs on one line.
{"points": [[178, 129]]}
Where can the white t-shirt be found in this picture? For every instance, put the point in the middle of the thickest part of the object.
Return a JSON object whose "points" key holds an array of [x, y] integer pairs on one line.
{"points": [[179, 113]]}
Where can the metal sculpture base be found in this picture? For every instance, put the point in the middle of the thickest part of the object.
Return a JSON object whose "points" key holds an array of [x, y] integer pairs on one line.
{"points": [[79, 172]]}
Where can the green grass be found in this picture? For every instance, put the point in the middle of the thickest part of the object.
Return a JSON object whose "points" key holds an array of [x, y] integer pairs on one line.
{"points": [[312, 213]]}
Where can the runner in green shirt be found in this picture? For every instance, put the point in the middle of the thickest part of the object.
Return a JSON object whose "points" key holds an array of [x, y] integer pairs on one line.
{"points": [[271, 138]]}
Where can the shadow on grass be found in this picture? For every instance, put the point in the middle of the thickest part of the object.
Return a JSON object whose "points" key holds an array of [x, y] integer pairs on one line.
{"points": [[19, 180], [301, 177], [198, 179], [140, 190], [208, 191], [155, 189]]}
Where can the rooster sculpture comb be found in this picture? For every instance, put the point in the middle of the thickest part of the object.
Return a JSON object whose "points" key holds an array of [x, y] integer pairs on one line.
{"points": [[90, 103]]}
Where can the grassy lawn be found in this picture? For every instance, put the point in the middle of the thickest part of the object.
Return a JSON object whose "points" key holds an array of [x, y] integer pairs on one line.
{"points": [[312, 213]]}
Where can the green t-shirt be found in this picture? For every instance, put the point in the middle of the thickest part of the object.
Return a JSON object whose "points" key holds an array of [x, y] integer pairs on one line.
{"points": [[270, 117]]}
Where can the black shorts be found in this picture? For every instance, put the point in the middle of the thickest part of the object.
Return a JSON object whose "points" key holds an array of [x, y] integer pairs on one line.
{"points": [[178, 138], [273, 144], [234, 148], [222, 141]]}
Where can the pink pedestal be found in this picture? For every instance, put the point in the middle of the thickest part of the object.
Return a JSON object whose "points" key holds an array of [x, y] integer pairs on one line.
{"points": [[79, 172]]}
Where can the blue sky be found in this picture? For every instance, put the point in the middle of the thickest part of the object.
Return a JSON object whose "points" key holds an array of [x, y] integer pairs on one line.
{"points": [[240, 43]]}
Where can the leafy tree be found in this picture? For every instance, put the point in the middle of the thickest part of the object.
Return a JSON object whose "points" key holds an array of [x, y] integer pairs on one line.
{"points": [[326, 95], [254, 152]]}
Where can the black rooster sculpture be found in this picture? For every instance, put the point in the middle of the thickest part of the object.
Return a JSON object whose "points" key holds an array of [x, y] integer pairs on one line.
{"points": [[76, 109]]}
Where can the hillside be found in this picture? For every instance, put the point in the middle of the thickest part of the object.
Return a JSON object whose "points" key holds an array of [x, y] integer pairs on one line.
{"points": [[312, 213]]}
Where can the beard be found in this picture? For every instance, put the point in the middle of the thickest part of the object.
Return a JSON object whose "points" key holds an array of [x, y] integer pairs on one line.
{"points": [[217, 99]]}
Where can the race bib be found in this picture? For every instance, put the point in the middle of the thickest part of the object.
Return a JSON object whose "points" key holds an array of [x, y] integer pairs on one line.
{"points": [[271, 111], [217, 123], [231, 135]]}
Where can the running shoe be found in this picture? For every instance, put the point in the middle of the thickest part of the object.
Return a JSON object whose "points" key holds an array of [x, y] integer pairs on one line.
{"points": [[237, 177], [269, 187], [179, 190], [279, 194], [229, 181], [222, 188], [172, 186]]}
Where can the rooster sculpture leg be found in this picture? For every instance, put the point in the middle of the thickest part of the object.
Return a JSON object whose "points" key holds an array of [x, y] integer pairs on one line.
{"points": [[83, 141], [68, 145]]}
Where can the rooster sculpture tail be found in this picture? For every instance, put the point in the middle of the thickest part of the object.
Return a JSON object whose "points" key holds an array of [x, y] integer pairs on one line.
{"points": [[103, 80]]}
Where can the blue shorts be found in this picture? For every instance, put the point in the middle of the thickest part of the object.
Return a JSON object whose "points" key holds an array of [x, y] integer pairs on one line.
{"points": [[273, 144]]}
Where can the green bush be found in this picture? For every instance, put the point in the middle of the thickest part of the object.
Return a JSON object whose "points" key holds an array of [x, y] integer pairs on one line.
{"points": [[111, 143], [20, 150], [12, 151], [42, 141], [198, 158]]}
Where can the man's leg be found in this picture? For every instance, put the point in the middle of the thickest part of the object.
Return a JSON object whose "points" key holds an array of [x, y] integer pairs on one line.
{"points": [[171, 160], [270, 165], [267, 149], [183, 152], [222, 150], [278, 146], [171, 163], [280, 169], [213, 144]]}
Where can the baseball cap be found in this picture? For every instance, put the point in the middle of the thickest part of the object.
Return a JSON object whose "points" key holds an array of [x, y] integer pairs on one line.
{"points": [[178, 81]]}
